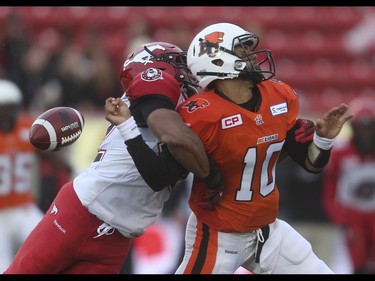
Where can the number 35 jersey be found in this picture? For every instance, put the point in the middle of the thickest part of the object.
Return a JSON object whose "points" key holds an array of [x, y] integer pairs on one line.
{"points": [[17, 165], [246, 146]]}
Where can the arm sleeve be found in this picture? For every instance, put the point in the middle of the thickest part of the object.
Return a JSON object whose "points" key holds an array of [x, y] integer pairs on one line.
{"points": [[301, 153], [296, 150], [142, 107], [158, 171]]}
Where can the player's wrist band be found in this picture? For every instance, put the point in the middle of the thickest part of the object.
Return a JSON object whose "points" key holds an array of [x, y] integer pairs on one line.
{"points": [[323, 143], [128, 129]]}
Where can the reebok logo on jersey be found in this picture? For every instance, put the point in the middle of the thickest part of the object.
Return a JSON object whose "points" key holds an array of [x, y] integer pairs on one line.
{"points": [[231, 252], [59, 226], [231, 121], [278, 109]]}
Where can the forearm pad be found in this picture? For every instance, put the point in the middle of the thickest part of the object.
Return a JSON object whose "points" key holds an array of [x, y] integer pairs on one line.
{"points": [[214, 180], [318, 157], [319, 151], [214, 184]]}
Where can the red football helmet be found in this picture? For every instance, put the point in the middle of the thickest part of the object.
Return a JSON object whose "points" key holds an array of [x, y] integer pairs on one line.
{"points": [[363, 124], [164, 56], [363, 109]]}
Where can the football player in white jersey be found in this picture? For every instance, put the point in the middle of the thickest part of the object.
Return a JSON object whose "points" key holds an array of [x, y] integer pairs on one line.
{"points": [[91, 223]]}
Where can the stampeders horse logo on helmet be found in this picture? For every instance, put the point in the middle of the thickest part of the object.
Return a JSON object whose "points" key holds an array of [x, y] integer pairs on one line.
{"points": [[144, 57], [152, 74]]}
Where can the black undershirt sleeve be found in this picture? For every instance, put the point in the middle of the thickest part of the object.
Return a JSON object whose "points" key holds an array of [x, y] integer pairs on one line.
{"points": [[142, 107], [158, 171], [296, 150]]}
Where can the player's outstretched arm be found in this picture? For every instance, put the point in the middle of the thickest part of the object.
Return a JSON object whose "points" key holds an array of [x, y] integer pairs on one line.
{"points": [[310, 145]]}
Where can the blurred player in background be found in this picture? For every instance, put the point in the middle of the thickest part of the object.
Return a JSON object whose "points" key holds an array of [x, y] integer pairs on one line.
{"points": [[27, 176], [349, 187], [19, 212], [91, 224], [246, 119]]}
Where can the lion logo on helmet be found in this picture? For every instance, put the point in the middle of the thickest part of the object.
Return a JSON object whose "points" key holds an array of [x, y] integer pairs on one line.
{"points": [[214, 38]]}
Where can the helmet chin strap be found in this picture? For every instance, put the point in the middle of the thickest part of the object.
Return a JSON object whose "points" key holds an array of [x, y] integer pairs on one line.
{"points": [[218, 74], [255, 76], [188, 90]]}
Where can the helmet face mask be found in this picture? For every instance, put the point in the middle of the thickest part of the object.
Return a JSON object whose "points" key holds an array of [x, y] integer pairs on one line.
{"points": [[226, 51], [164, 56]]}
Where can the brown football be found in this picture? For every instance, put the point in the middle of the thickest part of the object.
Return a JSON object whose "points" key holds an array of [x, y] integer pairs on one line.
{"points": [[56, 128]]}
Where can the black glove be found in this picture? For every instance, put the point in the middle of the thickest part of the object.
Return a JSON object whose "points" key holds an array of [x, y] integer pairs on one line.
{"points": [[214, 187], [306, 130]]}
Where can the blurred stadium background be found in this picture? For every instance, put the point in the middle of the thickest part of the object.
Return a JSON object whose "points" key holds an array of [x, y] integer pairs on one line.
{"points": [[72, 56]]}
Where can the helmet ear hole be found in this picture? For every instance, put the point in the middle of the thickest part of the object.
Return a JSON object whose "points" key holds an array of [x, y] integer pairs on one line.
{"points": [[180, 77], [218, 62]]}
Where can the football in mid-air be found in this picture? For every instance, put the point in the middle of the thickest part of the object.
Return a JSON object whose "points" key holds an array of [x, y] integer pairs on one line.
{"points": [[56, 128]]}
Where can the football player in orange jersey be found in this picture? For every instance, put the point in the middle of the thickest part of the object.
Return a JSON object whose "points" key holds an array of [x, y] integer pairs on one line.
{"points": [[21, 167], [244, 132], [19, 212], [245, 119]]}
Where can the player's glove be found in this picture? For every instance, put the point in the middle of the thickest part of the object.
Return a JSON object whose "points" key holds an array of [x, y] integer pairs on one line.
{"points": [[214, 187], [305, 131]]}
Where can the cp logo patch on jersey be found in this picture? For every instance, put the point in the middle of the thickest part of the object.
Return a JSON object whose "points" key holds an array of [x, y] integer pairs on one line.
{"points": [[152, 74], [231, 121]]}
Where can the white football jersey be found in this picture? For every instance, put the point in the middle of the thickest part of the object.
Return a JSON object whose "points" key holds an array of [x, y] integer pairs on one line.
{"points": [[112, 189]]}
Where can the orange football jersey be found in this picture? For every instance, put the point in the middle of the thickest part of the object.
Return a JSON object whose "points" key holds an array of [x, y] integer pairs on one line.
{"points": [[245, 145], [17, 161]]}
